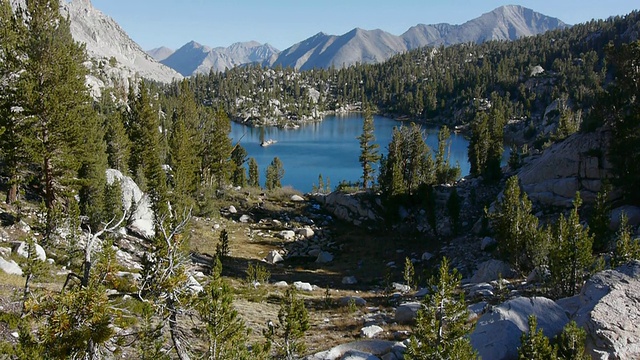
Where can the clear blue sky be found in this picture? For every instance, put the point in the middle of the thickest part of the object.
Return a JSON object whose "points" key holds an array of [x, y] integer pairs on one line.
{"points": [[282, 23]]}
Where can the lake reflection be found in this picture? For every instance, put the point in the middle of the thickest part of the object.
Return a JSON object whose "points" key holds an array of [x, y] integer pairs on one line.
{"points": [[329, 148]]}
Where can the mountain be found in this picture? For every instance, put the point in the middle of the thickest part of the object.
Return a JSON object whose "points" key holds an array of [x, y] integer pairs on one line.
{"points": [[107, 42], [370, 46], [504, 23], [160, 53], [194, 58]]}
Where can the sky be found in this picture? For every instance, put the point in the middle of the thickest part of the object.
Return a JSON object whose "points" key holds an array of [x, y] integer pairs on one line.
{"points": [[282, 23]]}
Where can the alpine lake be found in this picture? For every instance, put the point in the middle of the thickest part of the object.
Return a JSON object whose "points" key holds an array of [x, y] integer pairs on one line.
{"points": [[330, 148]]}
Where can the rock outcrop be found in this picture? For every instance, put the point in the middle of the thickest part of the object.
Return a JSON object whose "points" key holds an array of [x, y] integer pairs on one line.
{"points": [[365, 349], [576, 164], [608, 308], [497, 333], [351, 208], [136, 203]]}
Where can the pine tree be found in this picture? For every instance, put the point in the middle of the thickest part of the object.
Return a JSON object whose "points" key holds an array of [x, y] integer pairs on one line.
{"points": [[368, 149], [216, 150], [534, 345], [118, 144], [183, 150], [222, 248], [254, 174], [12, 121], [445, 174], [626, 248], [570, 343], [55, 100], [293, 320], [441, 330], [600, 219], [224, 330], [239, 158], [274, 174], [145, 160], [516, 228], [570, 256]]}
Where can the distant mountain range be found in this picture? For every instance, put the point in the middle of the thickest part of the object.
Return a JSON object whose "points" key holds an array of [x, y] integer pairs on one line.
{"points": [[194, 58], [358, 45]]}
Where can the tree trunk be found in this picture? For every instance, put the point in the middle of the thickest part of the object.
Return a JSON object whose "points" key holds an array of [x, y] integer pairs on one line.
{"points": [[12, 193], [173, 330]]}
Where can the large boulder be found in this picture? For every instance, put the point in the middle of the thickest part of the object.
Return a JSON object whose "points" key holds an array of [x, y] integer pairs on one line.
{"points": [[491, 270], [348, 207], [136, 203], [575, 164], [10, 267], [407, 313], [274, 257], [497, 332], [608, 309], [365, 349], [20, 248]]}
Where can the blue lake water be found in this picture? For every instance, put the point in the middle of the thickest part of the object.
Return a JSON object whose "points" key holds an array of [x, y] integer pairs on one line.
{"points": [[329, 148]]}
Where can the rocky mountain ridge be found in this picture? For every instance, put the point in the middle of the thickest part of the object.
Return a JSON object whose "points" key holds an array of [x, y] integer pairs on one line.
{"points": [[194, 58], [358, 45]]}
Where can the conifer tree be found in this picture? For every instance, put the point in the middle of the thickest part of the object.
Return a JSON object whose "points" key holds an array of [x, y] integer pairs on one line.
{"points": [[516, 228], [183, 149], [534, 345], [145, 160], [118, 144], [239, 158], [454, 206], [254, 174], [293, 320], [274, 174], [626, 248], [445, 174], [368, 149], [55, 100], [224, 330], [570, 256], [216, 149], [600, 219], [570, 343], [441, 330], [12, 121]]}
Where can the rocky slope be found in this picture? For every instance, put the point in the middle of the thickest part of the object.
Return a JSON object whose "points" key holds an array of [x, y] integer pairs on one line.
{"points": [[194, 58], [107, 42], [363, 46]]}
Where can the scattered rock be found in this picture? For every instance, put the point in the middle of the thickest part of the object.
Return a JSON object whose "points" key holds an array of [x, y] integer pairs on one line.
{"points": [[406, 313], [324, 257], [288, 235], [232, 210], [401, 287], [349, 280], [10, 267], [344, 301], [297, 198], [487, 243], [245, 218], [476, 310], [497, 332], [427, 256], [371, 331], [5, 252], [306, 232], [274, 257], [491, 270], [539, 274], [303, 286], [281, 284], [481, 290]]}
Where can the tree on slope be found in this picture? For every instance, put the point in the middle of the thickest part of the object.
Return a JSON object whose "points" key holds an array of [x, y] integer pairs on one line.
{"points": [[441, 330], [368, 149]]}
